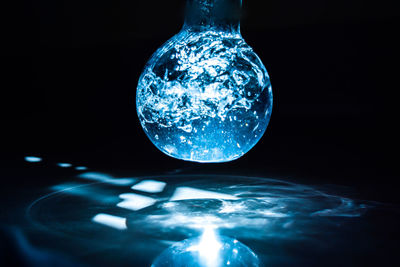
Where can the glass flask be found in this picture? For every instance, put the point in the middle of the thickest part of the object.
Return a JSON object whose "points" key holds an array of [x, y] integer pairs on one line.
{"points": [[204, 95], [208, 250]]}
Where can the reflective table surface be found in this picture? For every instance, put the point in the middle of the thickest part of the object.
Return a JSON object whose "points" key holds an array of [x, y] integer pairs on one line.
{"points": [[87, 217]]}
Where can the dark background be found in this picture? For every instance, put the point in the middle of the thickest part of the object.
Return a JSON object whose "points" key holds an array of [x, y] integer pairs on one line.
{"points": [[70, 70]]}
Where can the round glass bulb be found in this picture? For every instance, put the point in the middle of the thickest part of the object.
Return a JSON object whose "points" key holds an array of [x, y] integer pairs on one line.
{"points": [[205, 96], [207, 250]]}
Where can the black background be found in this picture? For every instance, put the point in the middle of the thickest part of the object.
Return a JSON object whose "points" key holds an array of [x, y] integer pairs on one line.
{"points": [[70, 70]]}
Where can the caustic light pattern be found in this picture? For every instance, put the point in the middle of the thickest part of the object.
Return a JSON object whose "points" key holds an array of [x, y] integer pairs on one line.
{"points": [[205, 97]]}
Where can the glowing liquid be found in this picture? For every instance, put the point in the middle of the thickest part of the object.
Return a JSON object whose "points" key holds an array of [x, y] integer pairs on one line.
{"points": [[204, 96], [208, 250]]}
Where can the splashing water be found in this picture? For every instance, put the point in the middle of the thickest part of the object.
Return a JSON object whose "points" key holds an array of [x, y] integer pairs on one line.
{"points": [[204, 97]]}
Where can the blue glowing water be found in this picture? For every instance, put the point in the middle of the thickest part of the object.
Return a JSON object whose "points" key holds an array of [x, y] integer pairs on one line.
{"points": [[208, 250], [205, 97]]}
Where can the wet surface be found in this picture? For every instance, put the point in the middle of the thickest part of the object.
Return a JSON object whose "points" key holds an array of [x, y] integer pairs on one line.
{"points": [[96, 218]]}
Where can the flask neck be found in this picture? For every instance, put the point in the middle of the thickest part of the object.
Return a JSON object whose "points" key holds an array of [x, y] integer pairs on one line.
{"points": [[216, 15]]}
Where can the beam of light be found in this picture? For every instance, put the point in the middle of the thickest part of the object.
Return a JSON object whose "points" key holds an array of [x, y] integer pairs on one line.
{"points": [[135, 202], [208, 248], [112, 221], [182, 193], [33, 159], [150, 186], [64, 165], [80, 168], [105, 178]]}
